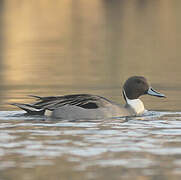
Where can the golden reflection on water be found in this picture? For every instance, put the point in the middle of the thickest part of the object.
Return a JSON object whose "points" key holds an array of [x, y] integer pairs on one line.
{"points": [[90, 45], [87, 44], [66, 43]]}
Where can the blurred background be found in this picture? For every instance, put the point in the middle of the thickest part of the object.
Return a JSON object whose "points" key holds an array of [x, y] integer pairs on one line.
{"points": [[80, 46]]}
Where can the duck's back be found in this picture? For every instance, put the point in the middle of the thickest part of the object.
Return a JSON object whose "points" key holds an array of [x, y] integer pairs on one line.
{"points": [[76, 106], [81, 106]]}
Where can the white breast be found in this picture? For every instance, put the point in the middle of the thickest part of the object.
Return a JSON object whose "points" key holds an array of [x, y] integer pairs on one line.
{"points": [[136, 105]]}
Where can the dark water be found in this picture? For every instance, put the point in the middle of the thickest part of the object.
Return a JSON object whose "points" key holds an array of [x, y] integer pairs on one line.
{"points": [[63, 47]]}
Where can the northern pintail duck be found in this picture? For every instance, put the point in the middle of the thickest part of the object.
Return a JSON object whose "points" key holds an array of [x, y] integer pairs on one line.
{"points": [[87, 106]]}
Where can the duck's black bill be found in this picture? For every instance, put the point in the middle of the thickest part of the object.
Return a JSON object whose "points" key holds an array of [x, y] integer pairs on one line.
{"points": [[152, 92]]}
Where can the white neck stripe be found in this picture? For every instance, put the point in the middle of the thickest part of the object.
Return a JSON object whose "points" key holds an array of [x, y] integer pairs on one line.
{"points": [[136, 104]]}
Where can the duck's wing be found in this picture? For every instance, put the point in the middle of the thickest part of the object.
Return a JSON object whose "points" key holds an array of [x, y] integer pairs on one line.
{"points": [[86, 101]]}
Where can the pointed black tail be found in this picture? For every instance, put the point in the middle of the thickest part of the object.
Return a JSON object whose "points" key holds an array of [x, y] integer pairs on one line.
{"points": [[30, 109]]}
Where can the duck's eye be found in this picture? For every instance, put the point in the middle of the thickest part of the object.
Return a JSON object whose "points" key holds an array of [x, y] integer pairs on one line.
{"points": [[138, 81]]}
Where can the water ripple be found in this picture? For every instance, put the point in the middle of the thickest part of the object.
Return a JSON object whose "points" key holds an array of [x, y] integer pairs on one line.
{"points": [[136, 142]]}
